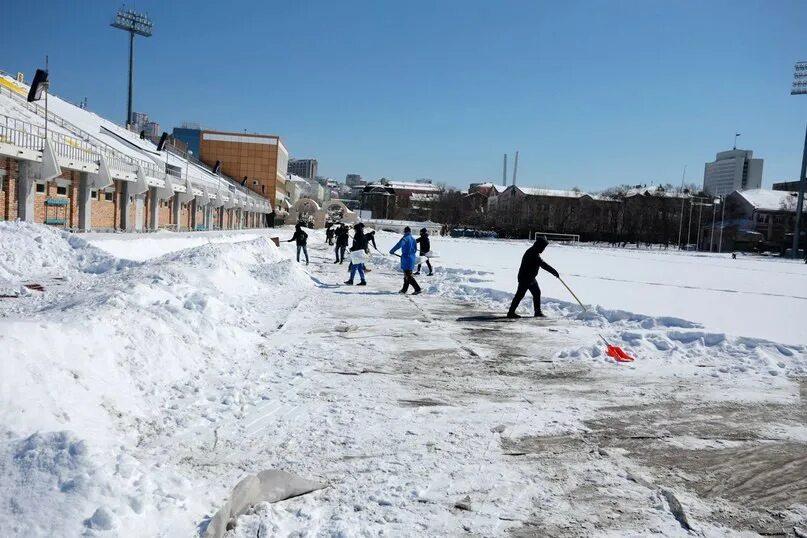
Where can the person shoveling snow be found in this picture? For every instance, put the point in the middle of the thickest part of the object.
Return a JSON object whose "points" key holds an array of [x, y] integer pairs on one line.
{"points": [[527, 273], [409, 249]]}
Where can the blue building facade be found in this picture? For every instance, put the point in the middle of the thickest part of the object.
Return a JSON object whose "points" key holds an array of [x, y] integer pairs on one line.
{"points": [[191, 137]]}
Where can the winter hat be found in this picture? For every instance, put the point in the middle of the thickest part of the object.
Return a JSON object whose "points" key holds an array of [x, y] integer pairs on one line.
{"points": [[424, 230], [541, 242], [407, 230]]}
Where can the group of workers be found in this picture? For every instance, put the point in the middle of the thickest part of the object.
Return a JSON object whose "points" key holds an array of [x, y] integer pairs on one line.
{"points": [[531, 262], [360, 247]]}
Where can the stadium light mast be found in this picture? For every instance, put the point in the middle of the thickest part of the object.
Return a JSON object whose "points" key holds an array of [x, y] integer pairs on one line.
{"points": [[800, 88], [136, 24]]}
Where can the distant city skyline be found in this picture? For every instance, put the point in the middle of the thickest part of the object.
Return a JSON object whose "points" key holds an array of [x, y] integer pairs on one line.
{"points": [[591, 94]]}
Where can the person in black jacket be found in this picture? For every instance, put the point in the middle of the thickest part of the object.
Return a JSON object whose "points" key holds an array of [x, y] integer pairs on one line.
{"points": [[359, 244], [342, 238], [329, 235], [371, 239], [530, 264], [425, 246], [302, 238]]}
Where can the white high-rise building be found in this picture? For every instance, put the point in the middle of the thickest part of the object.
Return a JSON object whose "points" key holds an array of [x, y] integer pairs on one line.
{"points": [[733, 170]]}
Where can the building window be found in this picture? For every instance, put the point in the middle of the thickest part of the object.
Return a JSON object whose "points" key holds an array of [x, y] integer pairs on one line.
{"points": [[108, 196], [40, 187], [61, 191], [93, 194]]}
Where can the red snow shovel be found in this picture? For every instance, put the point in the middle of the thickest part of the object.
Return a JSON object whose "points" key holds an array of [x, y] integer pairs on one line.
{"points": [[615, 352]]}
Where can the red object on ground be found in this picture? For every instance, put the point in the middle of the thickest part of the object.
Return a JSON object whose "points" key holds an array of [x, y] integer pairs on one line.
{"points": [[618, 355]]}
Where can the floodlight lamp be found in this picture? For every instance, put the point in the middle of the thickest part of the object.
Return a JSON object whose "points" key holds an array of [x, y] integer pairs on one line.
{"points": [[799, 79]]}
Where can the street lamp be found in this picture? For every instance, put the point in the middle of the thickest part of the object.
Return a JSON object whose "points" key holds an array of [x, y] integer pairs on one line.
{"points": [[800, 88]]}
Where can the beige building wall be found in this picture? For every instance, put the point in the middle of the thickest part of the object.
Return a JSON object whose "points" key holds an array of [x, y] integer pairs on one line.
{"points": [[261, 158]]}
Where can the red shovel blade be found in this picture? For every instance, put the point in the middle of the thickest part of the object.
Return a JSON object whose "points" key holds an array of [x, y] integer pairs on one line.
{"points": [[618, 355]]}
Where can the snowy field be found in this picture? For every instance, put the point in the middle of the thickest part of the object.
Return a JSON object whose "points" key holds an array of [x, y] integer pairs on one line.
{"points": [[143, 376]]}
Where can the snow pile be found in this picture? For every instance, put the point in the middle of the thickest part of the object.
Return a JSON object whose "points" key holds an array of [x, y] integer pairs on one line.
{"points": [[664, 340], [750, 296], [31, 252], [88, 366], [144, 247]]}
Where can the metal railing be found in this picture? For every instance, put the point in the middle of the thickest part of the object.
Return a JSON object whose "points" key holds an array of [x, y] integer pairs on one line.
{"points": [[86, 148], [85, 141]]}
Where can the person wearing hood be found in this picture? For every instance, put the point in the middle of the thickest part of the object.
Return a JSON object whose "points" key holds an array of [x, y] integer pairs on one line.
{"points": [[408, 248], [301, 238], [359, 244], [527, 273], [425, 247]]}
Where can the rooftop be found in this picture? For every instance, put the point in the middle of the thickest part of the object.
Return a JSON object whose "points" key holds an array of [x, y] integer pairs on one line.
{"points": [[771, 200]]}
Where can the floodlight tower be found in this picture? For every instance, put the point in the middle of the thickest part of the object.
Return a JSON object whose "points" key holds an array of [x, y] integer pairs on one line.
{"points": [[136, 24], [800, 88]]}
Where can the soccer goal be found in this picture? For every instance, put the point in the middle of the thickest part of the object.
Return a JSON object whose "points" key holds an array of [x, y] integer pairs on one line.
{"points": [[566, 238]]}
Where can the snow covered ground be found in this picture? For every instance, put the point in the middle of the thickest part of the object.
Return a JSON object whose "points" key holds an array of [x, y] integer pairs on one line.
{"points": [[148, 374]]}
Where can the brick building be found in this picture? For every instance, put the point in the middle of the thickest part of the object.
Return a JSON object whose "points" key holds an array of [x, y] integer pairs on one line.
{"points": [[86, 173], [407, 200], [756, 219]]}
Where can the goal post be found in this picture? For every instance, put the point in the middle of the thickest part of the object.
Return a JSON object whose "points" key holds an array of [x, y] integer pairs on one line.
{"points": [[565, 238]]}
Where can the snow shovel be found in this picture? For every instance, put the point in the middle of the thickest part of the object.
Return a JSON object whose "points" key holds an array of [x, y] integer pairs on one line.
{"points": [[615, 352], [420, 260]]}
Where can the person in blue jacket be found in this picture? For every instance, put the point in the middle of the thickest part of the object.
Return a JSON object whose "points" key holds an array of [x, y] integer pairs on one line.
{"points": [[409, 249]]}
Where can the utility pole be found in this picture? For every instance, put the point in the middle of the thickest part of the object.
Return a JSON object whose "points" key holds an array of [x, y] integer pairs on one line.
{"points": [[689, 226], [681, 219], [800, 88], [136, 24], [735, 139], [722, 218]]}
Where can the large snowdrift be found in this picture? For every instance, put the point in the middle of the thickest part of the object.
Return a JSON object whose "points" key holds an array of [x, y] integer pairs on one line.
{"points": [[87, 366]]}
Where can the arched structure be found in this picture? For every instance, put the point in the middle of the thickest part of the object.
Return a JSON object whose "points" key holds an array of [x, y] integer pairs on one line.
{"points": [[304, 209], [309, 211], [337, 211]]}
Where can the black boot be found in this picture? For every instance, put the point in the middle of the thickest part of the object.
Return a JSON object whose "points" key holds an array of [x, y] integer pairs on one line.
{"points": [[513, 315]]}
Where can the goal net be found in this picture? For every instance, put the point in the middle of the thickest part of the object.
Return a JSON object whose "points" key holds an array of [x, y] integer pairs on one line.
{"points": [[566, 238]]}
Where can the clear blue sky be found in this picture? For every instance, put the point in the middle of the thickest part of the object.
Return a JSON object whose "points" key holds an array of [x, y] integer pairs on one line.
{"points": [[592, 93]]}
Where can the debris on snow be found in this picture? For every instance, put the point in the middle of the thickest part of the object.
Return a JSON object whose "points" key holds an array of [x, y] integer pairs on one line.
{"points": [[267, 486], [464, 503], [676, 509]]}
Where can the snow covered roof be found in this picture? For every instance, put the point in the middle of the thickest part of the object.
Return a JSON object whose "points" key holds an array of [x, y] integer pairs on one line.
{"points": [[411, 185], [95, 135], [650, 191], [770, 200], [537, 191], [297, 179]]}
